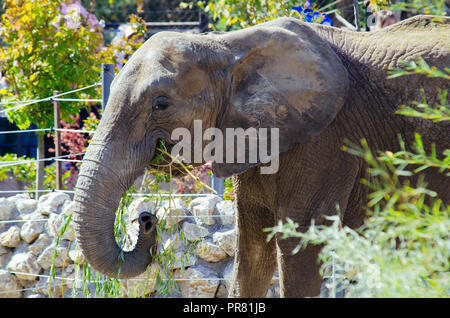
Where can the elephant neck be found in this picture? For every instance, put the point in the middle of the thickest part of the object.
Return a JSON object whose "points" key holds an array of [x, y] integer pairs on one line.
{"points": [[390, 47], [370, 57]]}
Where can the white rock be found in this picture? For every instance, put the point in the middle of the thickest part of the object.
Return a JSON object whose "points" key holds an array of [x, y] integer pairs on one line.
{"points": [[76, 256], [68, 207], [61, 259], [58, 221], [9, 285], [222, 291], [26, 206], [273, 291], [228, 275], [210, 252], [10, 238], [172, 211], [35, 296], [6, 209], [227, 211], [31, 230], [3, 250], [184, 260], [4, 260], [50, 202], [32, 216], [17, 197], [139, 205], [201, 283], [23, 264], [4, 256], [57, 288], [226, 241], [181, 256], [174, 243], [41, 243], [194, 232], [203, 208]]}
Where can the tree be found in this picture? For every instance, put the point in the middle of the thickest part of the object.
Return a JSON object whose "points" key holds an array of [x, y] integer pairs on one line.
{"points": [[47, 47]]}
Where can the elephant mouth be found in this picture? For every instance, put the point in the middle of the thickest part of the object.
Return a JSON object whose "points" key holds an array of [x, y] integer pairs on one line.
{"points": [[163, 161]]}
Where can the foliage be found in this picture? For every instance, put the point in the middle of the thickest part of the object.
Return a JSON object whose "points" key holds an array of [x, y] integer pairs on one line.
{"points": [[409, 7], [441, 110], [72, 142], [160, 171], [235, 14], [414, 7], [22, 172], [121, 49], [229, 189], [76, 142], [403, 248], [48, 47], [91, 123], [188, 184]]}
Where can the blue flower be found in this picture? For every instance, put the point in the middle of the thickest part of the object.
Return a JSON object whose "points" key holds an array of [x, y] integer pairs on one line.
{"points": [[298, 9], [326, 20], [312, 16]]}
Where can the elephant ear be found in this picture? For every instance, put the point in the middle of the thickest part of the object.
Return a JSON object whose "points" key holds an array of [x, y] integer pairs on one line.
{"points": [[282, 77]]}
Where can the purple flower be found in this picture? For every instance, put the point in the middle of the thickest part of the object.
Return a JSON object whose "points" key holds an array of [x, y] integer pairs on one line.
{"points": [[74, 14], [93, 21], [3, 82], [74, 5]]}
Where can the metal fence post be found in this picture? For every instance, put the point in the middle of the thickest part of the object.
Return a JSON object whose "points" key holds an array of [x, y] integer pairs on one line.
{"points": [[40, 155], [218, 185], [356, 12], [107, 78], [56, 115]]}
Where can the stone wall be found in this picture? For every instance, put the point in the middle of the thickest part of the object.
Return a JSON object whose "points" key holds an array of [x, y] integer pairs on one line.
{"points": [[199, 236]]}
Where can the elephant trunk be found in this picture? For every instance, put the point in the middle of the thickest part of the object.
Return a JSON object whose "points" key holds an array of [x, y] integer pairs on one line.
{"points": [[102, 182]]}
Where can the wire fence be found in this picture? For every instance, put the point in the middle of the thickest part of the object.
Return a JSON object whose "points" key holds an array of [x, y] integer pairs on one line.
{"points": [[59, 158], [46, 99]]}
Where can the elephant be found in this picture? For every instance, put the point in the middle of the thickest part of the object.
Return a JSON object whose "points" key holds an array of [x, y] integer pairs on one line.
{"points": [[318, 85]]}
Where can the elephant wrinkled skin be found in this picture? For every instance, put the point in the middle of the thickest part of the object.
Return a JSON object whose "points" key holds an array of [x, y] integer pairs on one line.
{"points": [[317, 84]]}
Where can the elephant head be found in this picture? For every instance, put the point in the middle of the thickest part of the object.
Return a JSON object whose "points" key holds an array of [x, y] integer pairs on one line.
{"points": [[262, 77]]}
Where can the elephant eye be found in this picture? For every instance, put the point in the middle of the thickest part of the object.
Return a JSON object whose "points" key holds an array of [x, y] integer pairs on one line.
{"points": [[161, 103]]}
